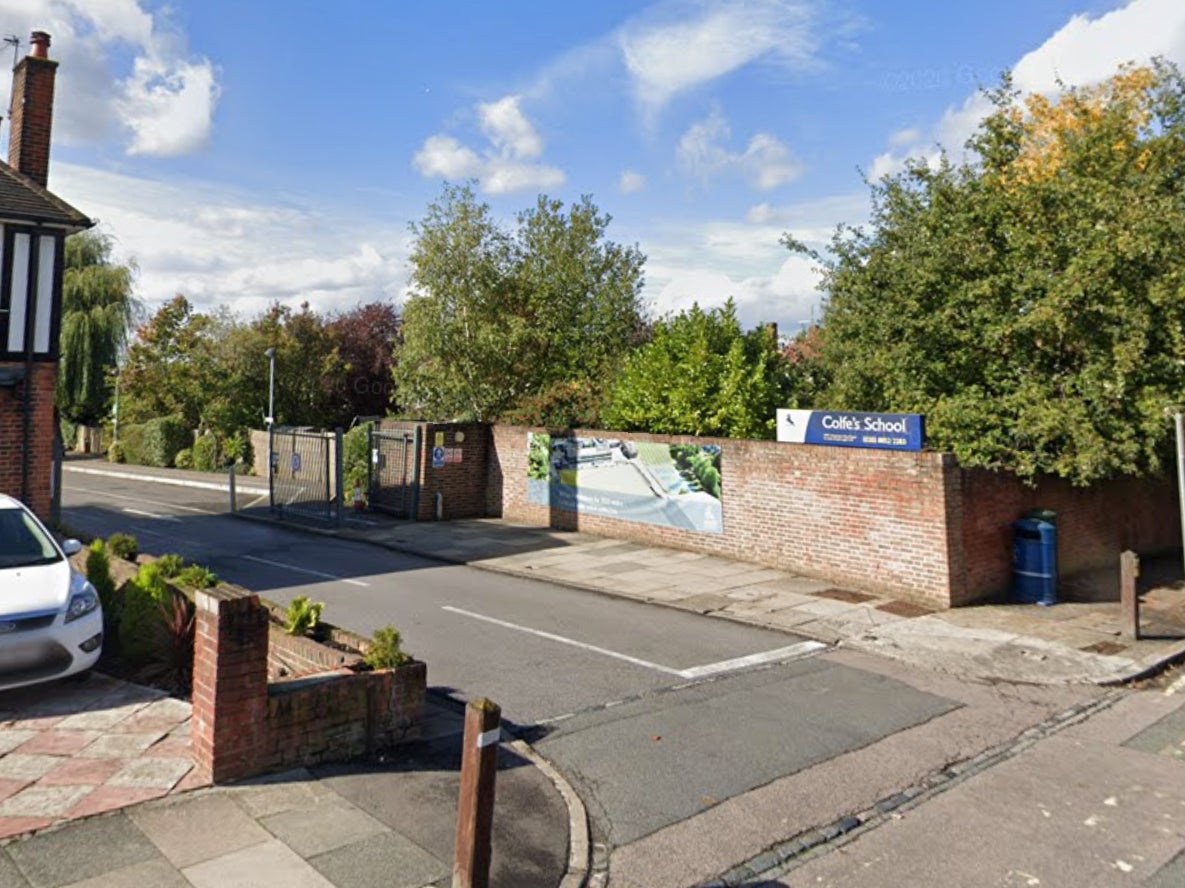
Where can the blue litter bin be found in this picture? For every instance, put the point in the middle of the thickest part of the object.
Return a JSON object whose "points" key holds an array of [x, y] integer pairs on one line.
{"points": [[1034, 561]]}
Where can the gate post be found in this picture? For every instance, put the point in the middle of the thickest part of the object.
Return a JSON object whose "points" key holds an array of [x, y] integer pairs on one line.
{"points": [[338, 473], [413, 513]]}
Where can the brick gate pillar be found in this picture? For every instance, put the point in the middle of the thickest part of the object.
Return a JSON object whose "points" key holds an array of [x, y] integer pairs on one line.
{"points": [[229, 724]]}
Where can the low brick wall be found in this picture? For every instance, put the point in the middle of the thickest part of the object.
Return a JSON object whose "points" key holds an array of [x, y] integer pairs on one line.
{"points": [[242, 725]]}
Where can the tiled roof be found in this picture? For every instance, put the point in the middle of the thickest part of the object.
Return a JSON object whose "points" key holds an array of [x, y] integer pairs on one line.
{"points": [[22, 198]]}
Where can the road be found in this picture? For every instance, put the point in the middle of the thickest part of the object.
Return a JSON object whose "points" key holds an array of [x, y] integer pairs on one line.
{"points": [[655, 715]]}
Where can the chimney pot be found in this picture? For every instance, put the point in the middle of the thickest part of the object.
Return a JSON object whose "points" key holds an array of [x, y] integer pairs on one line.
{"points": [[40, 41]]}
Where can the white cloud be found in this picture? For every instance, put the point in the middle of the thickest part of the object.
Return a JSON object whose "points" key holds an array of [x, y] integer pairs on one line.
{"points": [[904, 137], [670, 52], [503, 167], [1082, 52], [631, 182], [765, 163], [162, 103], [235, 249]]}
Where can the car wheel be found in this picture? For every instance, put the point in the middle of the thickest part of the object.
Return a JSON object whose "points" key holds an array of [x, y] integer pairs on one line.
{"points": [[80, 677]]}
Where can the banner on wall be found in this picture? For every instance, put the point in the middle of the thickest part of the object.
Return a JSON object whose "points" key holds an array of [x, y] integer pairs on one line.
{"points": [[880, 431], [672, 485]]}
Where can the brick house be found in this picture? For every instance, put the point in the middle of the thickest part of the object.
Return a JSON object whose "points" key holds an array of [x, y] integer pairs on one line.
{"points": [[34, 225]]}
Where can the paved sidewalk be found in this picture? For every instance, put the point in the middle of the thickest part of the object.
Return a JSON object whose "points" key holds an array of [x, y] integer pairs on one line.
{"points": [[359, 825], [1070, 642]]}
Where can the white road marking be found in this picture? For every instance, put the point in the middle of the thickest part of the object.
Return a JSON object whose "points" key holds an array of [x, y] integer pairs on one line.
{"points": [[190, 544], [695, 673], [793, 652], [255, 502], [646, 664], [140, 499], [152, 515], [304, 570], [156, 479]]}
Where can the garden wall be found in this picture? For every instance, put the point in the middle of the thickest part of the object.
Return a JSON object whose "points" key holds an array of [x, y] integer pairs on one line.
{"points": [[912, 525]]}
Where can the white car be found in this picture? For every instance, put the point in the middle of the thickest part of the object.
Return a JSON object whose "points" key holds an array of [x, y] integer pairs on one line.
{"points": [[51, 622]]}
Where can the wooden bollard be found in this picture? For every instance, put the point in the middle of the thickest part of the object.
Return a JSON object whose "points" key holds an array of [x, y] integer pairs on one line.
{"points": [[1129, 600], [475, 808]]}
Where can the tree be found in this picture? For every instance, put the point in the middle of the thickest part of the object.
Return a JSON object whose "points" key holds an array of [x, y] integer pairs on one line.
{"points": [[98, 310], [366, 338], [701, 374], [498, 317], [1028, 300]]}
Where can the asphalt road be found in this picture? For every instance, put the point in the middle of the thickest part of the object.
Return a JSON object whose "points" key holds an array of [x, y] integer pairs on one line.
{"points": [[606, 688]]}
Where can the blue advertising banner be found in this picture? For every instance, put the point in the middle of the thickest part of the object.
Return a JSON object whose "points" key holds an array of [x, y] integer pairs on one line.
{"points": [[880, 431]]}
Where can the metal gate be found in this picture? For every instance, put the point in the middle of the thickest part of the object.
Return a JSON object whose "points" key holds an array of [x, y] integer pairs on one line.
{"points": [[302, 473], [394, 476]]}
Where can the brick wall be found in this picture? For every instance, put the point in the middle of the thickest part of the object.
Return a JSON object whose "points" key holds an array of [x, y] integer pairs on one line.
{"points": [[242, 725], [862, 518], [1094, 525], [32, 117], [462, 485], [42, 386]]}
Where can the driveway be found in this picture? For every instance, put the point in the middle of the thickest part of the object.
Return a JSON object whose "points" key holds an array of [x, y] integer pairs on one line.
{"points": [[72, 749]]}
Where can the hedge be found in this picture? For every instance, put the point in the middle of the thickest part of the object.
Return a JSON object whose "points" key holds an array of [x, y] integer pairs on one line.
{"points": [[156, 442]]}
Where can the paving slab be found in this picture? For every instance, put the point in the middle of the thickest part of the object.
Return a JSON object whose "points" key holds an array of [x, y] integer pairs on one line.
{"points": [[190, 830], [10, 875], [82, 851], [327, 824], [384, 860], [270, 865]]}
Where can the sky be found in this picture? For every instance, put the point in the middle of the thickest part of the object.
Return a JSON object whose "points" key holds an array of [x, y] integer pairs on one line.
{"points": [[243, 152]]}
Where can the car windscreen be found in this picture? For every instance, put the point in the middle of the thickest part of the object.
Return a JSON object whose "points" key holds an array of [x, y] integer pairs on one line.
{"points": [[22, 542]]}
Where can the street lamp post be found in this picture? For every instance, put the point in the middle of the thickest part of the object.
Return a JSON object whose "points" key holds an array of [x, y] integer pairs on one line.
{"points": [[270, 421]]}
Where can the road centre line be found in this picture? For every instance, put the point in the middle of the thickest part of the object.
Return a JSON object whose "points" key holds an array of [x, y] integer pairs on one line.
{"points": [[304, 570], [791, 652], [152, 515], [139, 499]]}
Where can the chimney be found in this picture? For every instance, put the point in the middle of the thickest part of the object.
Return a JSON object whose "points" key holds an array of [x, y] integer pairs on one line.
{"points": [[32, 111]]}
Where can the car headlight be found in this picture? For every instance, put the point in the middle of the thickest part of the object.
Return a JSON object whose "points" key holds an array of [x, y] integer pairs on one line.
{"points": [[82, 603]]}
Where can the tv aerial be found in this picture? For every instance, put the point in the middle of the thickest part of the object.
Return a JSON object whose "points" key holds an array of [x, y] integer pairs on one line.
{"points": [[15, 42]]}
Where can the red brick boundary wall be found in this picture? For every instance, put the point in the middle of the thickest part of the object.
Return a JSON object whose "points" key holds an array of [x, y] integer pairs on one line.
{"points": [[913, 525], [243, 726], [461, 482]]}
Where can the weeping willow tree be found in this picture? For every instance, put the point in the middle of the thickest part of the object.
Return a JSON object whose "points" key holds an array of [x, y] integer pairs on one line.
{"points": [[98, 311]]}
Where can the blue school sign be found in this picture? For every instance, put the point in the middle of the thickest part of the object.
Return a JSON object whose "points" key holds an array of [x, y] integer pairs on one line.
{"points": [[881, 431]]}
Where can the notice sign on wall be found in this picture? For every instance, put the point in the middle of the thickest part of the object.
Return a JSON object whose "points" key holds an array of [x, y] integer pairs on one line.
{"points": [[881, 431]]}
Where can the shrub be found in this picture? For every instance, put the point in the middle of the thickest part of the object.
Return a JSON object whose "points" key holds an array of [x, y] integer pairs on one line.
{"points": [[237, 448], [98, 573], [303, 616], [115, 453], [164, 438], [170, 565], [386, 649], [142, 598], [131, 444], [184, 459], [356, 456], [171, 657], [123, 545], [205, 453], [197, 577]]}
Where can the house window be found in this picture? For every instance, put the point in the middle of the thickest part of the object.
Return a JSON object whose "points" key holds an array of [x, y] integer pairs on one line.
{"points": [[29, 274]]}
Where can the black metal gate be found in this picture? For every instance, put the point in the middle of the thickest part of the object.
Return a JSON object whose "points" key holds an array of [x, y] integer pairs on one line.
{"points": [[302, 475], [394, 476]]}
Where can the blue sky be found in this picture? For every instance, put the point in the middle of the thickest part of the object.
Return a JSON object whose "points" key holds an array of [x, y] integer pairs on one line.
{"points": [[245, 152]]}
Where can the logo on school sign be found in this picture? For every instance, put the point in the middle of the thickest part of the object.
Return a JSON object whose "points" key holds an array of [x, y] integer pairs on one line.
{"points": [[881, 431]]}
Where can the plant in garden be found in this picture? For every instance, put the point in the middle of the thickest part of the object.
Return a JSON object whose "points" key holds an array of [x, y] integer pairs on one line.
{"points": [[123, 545], [205, 452], [98, 573], [197, 577], [303, 616], [170, 565], [142, 597], [385, 650], [170, 660]]}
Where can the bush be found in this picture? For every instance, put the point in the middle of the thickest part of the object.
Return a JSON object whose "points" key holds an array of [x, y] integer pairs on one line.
{"points": [[356, 456], [205, 453], [123, 545], [98, 573], [184, 459], [164, 438], [115, 453], [386, 650], [142, 601], [237, 448], [131, 444], [197, 577], [170, 565], [303, 616]]}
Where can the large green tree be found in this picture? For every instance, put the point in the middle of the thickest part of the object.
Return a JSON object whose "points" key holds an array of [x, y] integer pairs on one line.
{"points": [[98, 311], [702, 374], [498, 317], [1030, 299]]}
